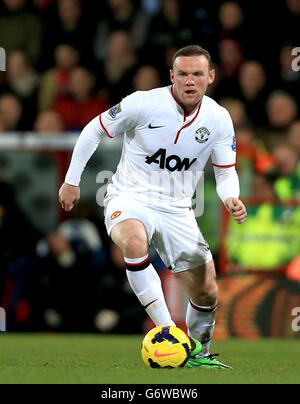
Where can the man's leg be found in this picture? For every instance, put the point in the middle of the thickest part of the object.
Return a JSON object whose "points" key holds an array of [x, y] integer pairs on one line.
{"points": [[200, 284], [131, 236], [201, 287]]}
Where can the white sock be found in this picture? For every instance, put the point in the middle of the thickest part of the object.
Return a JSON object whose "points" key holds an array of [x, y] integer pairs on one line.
{"points": [[200, 321], [146, 284]]}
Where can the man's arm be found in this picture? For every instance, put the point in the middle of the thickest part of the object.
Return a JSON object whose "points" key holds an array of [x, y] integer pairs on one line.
{"points": [[223, 159], [86, 145], [115, 121], [228, 189]]}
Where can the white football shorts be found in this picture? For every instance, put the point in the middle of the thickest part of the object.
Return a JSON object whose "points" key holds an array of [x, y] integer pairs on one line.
{"points": [[176, 237]]}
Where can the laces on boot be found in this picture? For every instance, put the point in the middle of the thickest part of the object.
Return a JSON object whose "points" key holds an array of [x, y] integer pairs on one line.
{"points": [[212, 356]]}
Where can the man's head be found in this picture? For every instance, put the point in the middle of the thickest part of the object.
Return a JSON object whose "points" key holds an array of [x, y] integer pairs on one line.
{"points": [[81, 83], [281, 109], [191, 74], [14, 5], [10, 111], [285, 159]]}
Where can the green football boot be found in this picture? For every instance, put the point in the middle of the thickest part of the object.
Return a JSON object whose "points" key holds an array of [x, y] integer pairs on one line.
{"points": [[206, 362], [196, 347]]}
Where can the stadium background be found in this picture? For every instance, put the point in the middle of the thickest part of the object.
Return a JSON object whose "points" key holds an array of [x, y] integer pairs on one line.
{"points": [[69, 60]]}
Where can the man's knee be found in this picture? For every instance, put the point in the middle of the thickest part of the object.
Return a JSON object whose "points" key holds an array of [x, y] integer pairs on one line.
{"points": [[134, 246], [131, 236], [206, 295]]}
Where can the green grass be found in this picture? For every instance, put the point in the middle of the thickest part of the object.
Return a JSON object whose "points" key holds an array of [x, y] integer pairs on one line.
{"points": [[106, 359]]}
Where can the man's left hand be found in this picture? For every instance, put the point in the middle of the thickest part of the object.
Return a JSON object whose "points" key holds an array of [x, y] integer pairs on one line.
{"points": [[237, 209]]}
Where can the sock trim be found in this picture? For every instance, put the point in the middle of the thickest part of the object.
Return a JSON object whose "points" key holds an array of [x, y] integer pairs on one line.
{"points": [[204, 309], [136, 261], [137, 264]]}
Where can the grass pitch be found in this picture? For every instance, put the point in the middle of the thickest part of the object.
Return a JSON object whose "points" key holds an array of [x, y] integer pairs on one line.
{"points": [[116, 359]]}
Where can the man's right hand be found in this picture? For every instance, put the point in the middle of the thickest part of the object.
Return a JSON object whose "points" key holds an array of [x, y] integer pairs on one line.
{"points": [[68, 196]]}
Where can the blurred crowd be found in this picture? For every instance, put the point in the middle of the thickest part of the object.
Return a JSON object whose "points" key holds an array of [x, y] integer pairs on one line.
{"points": [[69, 60]]}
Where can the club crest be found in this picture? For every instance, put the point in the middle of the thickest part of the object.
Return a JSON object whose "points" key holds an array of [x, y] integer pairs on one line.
{"points": [[115, 214], [202, 135]]}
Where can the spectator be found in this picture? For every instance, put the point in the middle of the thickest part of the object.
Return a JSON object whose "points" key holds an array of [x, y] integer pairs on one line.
{"points": [[55, 81], [231, 58], [232, 26], [72, 26], [146, 78], [236, 109], [11, 113], [73, 259], [121, 15], [253, 91], [21, 75], [77, 239], [281, 112], [21, 29], [48, 122], [22, 81], [285, 159], [171, 26], [119, 67], [285, 175], [282, 109], [262, 189], [83, 104]]}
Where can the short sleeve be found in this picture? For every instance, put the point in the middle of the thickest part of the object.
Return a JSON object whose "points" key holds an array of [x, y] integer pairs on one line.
{"points": [[224, 151], [121, 117]]}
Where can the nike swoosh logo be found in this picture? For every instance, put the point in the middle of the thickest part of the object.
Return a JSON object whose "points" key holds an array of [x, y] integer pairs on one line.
{"points": [[154, 127], [149, 303], [158, 355]]}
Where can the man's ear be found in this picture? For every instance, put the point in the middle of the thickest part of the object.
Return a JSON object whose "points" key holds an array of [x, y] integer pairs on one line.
{"points": [[172, 75], [212, 75]]}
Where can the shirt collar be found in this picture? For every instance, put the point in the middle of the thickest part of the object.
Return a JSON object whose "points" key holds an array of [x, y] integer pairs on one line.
{"points": [[180, 106]]}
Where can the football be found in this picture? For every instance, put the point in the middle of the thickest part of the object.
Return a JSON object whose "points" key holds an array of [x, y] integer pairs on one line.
{"points": [[166, 346]]}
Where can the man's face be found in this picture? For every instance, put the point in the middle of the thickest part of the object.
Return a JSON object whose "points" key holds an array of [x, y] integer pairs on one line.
{"points": [[191, 76]]}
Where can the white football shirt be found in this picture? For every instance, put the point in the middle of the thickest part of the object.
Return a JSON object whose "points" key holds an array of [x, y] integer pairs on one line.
{"points": [[164, 151]]}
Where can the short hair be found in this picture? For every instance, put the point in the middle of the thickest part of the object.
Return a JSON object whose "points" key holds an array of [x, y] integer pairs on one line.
{"points": [[193, 50]]}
